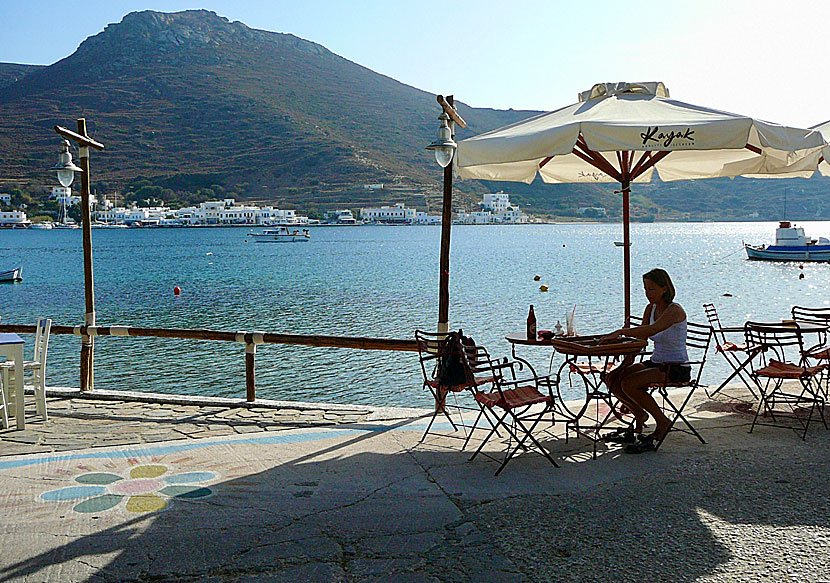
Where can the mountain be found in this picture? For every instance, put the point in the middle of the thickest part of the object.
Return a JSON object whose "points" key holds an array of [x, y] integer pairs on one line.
{"points": [[192, 106], [191, 100]]}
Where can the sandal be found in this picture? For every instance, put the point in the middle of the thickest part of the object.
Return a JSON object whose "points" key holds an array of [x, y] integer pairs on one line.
{"points": [[644, 443], [624, 435]]}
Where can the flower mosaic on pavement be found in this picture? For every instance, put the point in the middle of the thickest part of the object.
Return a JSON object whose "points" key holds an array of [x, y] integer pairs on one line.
{"points": [[149, 488]]}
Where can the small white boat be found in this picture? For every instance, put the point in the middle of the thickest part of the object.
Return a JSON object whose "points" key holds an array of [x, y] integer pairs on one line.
{"points": [[791, 244], [42, 226], [281, 235], [12, 275]]}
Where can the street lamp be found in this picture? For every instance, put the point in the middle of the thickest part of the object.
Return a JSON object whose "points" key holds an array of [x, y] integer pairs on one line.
{"points": [[65, 168], [444, 146]]}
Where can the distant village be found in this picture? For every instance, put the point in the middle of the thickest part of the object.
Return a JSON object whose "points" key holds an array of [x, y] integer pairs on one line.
{"points": [[494, 209]]}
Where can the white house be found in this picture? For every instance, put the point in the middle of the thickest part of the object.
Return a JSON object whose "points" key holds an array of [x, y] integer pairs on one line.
{"points": [[389, 214], [5, 198], [12, 218], [426, 219], [497, 202]]}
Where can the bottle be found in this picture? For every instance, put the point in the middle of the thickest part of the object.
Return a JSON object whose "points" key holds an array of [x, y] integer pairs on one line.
{"points": [[531, 324], [558, 330]]}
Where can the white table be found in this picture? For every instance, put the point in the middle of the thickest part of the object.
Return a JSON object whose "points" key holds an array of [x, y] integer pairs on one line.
{"points": [[11, 346]]}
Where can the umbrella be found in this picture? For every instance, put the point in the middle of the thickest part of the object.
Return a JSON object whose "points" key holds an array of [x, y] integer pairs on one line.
{"points": [[622, 132], [824, 161]]}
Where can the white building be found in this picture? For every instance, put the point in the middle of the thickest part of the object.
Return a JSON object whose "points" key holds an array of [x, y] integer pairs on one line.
{"points": [[496, 203], [389, 214], [12, 218], [426, 219], [63, 195], [228, 212], [133, 214], [5, 198]]}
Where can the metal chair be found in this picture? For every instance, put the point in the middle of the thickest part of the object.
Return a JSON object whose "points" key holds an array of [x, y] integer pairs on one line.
{"points": [[733, 353], [698, 338], [437, 350], [37, 366], [771, 369], [518, 401], [820, 352]]}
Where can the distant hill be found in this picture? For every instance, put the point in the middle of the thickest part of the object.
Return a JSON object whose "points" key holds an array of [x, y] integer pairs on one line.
{"points": [[190, 102], [12, 73]]}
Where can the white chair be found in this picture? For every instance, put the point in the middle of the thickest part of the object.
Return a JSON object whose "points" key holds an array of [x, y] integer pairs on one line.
{"points": [[38, 367]]}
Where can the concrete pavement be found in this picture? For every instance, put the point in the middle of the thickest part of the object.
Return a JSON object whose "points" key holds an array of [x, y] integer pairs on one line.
{"points": [[115, 490]]}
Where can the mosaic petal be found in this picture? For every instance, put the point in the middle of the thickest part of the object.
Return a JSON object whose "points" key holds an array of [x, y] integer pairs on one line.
{"points": [[98, 478], [147, 471], [189, 477], [186, 491], [146, 503], [98, 504], [72, 493]]}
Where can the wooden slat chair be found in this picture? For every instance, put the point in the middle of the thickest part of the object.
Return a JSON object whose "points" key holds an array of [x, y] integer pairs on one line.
{"points": [[820, 352], [433, 350], [771, 369], [522, 405], [37, 366], [698, 338], [737, 355]]}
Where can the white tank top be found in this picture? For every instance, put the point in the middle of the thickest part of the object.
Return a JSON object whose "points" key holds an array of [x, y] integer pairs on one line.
{"points": [[670, 344]]}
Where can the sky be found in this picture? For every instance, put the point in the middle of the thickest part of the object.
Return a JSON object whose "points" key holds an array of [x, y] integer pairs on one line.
{"points": [[761, 58]]}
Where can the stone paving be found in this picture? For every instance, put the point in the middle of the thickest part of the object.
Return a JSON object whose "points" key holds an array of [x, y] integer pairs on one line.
{"points": [[118, 490]]}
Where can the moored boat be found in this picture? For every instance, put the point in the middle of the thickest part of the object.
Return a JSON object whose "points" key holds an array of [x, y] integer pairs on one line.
{"points": [[12, 275], [281, 235], [791, 244]]}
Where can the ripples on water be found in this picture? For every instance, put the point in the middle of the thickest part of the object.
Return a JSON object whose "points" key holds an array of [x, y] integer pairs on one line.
{"points": [[369, 281]]}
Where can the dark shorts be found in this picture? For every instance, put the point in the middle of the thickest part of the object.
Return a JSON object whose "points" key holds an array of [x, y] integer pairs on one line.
{"points": [[678, 373]]}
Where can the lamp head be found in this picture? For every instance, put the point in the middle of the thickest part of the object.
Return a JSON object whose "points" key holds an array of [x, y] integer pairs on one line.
{"points": [[65, 169], [443, 146]]}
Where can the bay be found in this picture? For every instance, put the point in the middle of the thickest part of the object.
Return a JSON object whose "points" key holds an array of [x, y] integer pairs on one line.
{"points": [[379, 281]]}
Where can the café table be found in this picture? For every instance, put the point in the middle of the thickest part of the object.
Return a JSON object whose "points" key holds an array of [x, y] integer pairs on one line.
{"points": [[585, 356], [11, 347]]}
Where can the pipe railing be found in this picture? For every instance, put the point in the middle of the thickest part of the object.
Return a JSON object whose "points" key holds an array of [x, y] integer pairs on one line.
{"points": [[250, 339]]}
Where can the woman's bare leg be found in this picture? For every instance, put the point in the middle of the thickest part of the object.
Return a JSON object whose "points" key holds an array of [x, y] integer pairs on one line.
{"points": [[615, 380], [634, 386]]}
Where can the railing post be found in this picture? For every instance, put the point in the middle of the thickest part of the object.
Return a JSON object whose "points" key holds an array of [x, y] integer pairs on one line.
{"points": [[250, 383]]}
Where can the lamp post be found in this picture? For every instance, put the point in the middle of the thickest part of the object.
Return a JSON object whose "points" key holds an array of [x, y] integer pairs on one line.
{"points": [[66, 169], [444, 149]]}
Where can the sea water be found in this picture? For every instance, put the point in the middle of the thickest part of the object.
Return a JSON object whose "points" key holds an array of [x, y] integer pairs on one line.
{"points": [[372, 281]]}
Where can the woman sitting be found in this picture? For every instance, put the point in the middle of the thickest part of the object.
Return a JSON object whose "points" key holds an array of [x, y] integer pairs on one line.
{"points": [[664, 322]]}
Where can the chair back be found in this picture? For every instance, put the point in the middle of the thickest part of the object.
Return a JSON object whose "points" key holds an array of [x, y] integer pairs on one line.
{"points": [[811, 315], [698, 338], [714, 321], [44, 327], [773, 338], [435, 348]]}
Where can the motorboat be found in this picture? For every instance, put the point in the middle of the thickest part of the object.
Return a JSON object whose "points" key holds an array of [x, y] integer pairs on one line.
{"points": [[791, 244], [281, 235], [12, 275], [42, 226]]}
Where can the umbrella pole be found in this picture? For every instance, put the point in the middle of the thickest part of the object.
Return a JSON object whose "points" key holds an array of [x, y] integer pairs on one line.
{"points": [[626, 188]]}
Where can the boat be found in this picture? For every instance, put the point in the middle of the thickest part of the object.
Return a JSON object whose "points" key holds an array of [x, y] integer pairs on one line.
{"points": [[791, 244], [44, 226], [12, 275], [281, 235]]}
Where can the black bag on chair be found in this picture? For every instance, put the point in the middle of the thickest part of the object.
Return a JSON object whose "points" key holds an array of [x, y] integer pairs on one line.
{"points": [[452, 370]]}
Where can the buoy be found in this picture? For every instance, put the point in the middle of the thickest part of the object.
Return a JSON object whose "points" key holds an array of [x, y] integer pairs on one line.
{"points": [[727, 295], [800, 276], [543, 287], [563, 244], [177, 291], [209, 253], [537, 277]]}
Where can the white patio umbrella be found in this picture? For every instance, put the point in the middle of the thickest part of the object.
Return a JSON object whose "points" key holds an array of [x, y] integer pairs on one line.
{"points": [[621, 132], [824, 161]]}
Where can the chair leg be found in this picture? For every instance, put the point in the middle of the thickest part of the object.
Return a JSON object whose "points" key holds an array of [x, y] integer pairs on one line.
{"points": [[4, 404], [40, 394], [528, 434]]}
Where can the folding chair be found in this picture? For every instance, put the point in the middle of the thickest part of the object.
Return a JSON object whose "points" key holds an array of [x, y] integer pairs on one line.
{"points": [[771, 370], [519, 402], [732, 353], [433, 350], [819, 352], [698, 338]]}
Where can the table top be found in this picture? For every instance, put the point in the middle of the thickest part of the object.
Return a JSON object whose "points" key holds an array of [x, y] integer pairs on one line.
{"points": [[581, 345], [8, 338]]}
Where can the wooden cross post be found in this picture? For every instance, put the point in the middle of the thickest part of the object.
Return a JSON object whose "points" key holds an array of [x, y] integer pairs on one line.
{"points": [[87, 343]]}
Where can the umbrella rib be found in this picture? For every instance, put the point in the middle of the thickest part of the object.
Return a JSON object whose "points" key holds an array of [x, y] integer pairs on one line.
{"points": [[752, 148], [595, 159], [652, 160]]}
